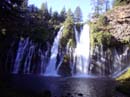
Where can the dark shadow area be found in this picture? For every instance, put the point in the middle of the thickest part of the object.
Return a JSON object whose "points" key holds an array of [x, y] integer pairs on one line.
{"points": [[39, 86]]}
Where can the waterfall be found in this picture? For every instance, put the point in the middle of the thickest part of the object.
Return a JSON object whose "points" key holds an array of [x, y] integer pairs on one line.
{"points": [[31, 58], [81, 53], [51, 68], [27, 63], [121, 62], [23, 43], [76, 35]]}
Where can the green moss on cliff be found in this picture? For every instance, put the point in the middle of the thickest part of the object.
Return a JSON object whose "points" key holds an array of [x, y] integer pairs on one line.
{"points": [[101, 38], [71, 43], [126, 40], [65, 69], [124, 77], [99, 32]]}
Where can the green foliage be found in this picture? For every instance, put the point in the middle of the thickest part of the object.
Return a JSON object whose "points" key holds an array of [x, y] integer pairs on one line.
{"points": [[44, 7], [98, 24], [124, 82], [66, 59], [68, 32], [102, 20], [3, 31], [126, 40], [71, 43], [19, 20], [120, 2], [99, 33], [101, 38], [94, 27], [124, 76], [39, 34], [63, 14]]}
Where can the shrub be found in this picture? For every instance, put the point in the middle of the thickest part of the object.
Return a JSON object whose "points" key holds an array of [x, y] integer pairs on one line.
{"points": [[102, 20], [101, 38], [120, 2]]}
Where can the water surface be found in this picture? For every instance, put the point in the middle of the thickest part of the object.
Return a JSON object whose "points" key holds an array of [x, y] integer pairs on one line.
{"points": [[61, 87]]}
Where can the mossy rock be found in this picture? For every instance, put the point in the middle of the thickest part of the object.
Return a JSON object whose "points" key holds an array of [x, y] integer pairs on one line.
{"points": [[124, 76], [124, 83], [65, 69]]}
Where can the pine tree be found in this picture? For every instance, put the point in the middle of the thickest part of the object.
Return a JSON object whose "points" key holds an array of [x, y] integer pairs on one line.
{"points": [[45, 12], [69, 21], [99, 6], [70, 15], [44, 8], [78, 14], [63, 15]]}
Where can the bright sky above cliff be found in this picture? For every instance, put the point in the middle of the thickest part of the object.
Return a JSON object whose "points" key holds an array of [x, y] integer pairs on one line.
{"points": [[57, 5]]}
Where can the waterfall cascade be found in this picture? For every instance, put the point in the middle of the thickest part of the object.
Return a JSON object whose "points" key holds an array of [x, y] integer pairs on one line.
{"points": [[51, 68], [31, 58], [82, 51], [21, 48]]}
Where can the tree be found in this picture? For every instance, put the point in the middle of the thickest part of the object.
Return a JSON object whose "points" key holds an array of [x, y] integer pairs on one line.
{"points": [[78, 14], [68, 24], [44, 8], [100, 6], [12, 24], [55, 15], [45, 12], [107, 6], [70, 15], [50, 11], [63, 14]]}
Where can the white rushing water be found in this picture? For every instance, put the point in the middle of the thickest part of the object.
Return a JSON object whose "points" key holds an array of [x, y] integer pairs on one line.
{"points": [[28, 59], [82, 52], [21, 48], [51, 68]]}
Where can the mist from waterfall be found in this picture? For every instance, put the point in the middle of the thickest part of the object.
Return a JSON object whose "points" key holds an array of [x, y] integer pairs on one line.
{"points": [[51, 68]]}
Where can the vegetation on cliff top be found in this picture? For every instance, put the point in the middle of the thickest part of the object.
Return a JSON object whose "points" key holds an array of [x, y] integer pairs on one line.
{"points": [[120, 2], [102, 27], [99, 33], [68, 29]]}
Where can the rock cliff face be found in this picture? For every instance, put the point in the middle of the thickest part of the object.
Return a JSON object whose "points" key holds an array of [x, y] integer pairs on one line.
{"points": [[113, 59], [119, 20]]}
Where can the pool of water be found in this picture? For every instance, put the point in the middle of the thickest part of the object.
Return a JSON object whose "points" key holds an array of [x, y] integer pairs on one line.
{"points": [[61, 86]]}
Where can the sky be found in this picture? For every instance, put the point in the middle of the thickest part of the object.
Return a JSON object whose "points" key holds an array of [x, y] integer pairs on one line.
{"points": [[57, 5]]}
